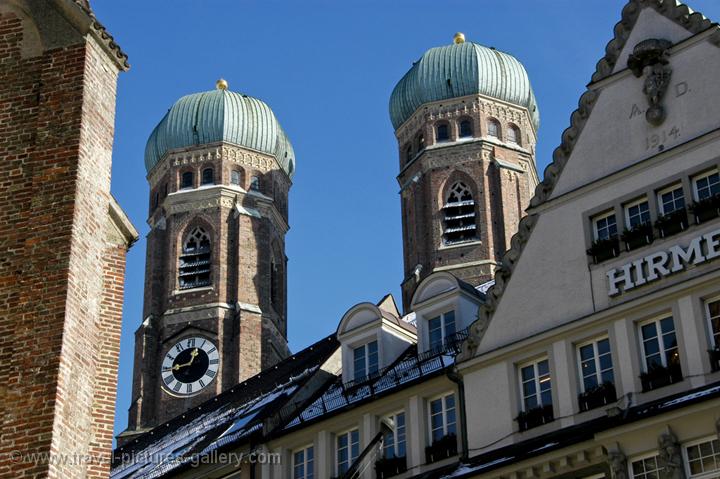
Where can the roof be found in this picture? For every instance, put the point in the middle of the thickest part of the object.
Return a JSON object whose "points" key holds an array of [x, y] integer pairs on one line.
{"points": [[220, 115], [675, 11], [462, 69], [231, 417], [409, 369], [101, 33]]}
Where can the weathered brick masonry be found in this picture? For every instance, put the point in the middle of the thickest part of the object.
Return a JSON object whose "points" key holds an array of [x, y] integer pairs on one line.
{"points": [[63, 240]]}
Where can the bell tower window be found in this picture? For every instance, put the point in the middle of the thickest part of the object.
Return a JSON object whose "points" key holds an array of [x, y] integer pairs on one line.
{"points": [[459, 223], [274, 285], [235, 178], [493, 128], [194, 268], [186, 180], [443, 132], [207, 176], [465, 129], [513, 134], [255, 183]]}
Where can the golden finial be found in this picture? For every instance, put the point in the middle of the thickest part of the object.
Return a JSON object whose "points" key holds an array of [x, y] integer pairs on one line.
{"points": [[221, 84], [459, 37]]}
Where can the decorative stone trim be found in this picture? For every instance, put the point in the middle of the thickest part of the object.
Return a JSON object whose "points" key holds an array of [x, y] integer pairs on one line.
{"points": [[252, 308], [680, 14], [103, 36]]}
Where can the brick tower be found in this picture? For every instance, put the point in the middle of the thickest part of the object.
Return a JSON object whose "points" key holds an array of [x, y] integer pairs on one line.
{"points": [[465, 119], [220, 168], [64, 241]]}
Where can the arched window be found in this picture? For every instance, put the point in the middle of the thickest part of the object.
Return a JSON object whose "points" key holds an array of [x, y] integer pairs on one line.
{"points": [[275, 285], [255, 183], [186, 180], [421, 142], [408, 154], [459, 223], [493, 128], [442, 132], [207, 177], [235, 178], [194, 267], [466, 129], [513, 134]]}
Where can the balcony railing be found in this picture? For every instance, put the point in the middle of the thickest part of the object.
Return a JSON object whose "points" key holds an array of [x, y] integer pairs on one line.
{"points": [[441, 449], [601, 395], [660, 376], [535, 417], [390, 466]]}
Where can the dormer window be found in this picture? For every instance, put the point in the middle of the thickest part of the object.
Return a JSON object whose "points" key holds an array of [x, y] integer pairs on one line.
{"points": [[365, 361], [440, 328]]}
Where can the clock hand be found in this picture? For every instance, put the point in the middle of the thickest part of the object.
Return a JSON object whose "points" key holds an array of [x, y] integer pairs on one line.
{"points": [[193, 353]]}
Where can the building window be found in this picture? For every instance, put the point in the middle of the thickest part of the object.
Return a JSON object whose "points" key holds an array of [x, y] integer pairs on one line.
{"points": [[703, 458], [255, 183], [513, 134], [207, 177], [706, 186], [421, 142], [235, 178], [459, 215], [274, 284], [303, 463], [493, 128], [466, 129], [660, 352], [637, 213], [671, 199], [443, 132], [443, 422], [348, 449], [596, 374], [440, 329], [186, 180], [712, 312], [536, 385], [604, 226], [365, 361], [408, 154], [394, 442], [647, 468], [194, 267]]}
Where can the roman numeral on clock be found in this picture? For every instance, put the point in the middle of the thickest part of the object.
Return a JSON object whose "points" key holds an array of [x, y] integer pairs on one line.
{"points": [[168, 379], [177, 387], [214, 361], [202, 383], [179, 348], [210, 373], [188, 389]]}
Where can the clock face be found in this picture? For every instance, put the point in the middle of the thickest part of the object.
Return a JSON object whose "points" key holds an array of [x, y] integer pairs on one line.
{"points": [[190, 365]]}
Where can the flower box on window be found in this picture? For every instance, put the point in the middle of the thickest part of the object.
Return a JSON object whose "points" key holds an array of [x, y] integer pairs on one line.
{"points": [[604, 249], [535, 417], [601, 395], [706, 209], [638, 236], [715, 358], [660, 376], [672, 223], [441, 449], [390, 466]]}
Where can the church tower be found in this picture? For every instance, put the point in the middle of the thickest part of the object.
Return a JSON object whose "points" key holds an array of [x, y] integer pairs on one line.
{"points": [[466, 121], [220, 168]]}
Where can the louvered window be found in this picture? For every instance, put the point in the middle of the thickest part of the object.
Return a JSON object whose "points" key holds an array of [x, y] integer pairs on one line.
{"points": [[459, 216], [194, 268]]}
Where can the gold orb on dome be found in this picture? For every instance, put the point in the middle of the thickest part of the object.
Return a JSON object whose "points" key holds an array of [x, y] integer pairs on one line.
{"points": [[459, 37], [221, 84]]}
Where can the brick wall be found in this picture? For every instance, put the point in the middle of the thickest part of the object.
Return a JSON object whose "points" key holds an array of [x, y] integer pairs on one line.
{"points": [[56, 131]]}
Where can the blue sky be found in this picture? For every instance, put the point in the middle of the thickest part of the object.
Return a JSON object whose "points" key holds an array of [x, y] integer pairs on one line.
{"points": [[327, 69]]}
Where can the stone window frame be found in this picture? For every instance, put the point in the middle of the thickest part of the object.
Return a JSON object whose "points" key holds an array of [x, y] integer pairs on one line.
{"points": [[444, 412], [656, 319], [641, 457], [304, 450], [336, 449], [240, 172], [446, 191], [626, 211], [534, 362], [204, 180], [185, 231], [181, 175], [686, 456], [596, 358]]}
